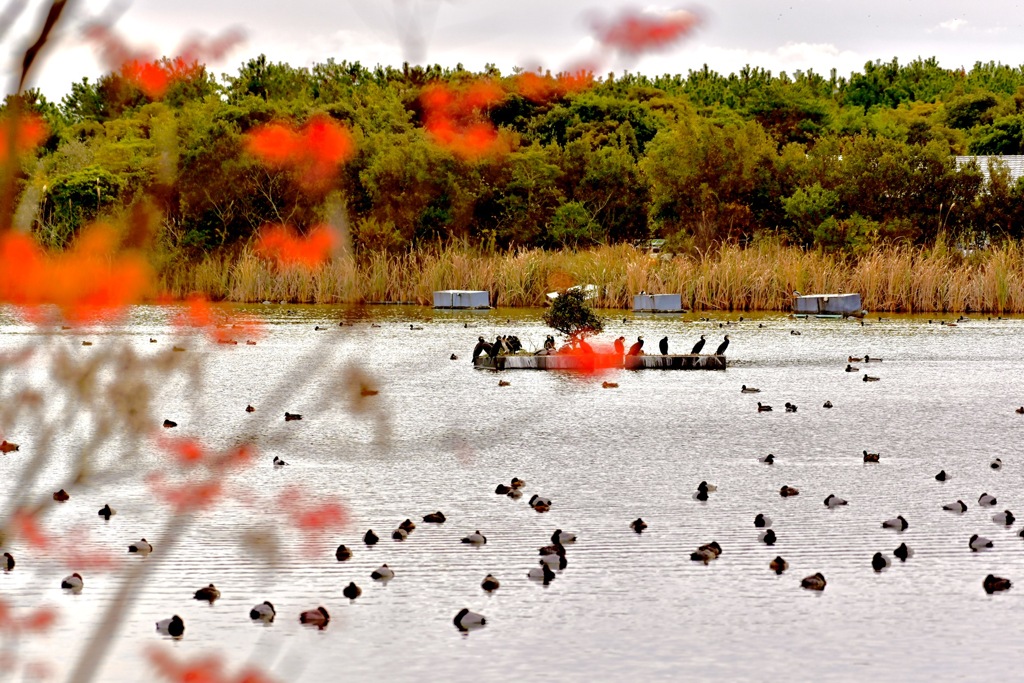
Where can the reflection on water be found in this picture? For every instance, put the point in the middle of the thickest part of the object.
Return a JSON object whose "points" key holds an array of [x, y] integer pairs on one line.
{"points": [[441, 436]]}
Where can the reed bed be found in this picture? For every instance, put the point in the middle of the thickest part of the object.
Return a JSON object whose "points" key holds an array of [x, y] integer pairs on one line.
{"points": [[760, 277]]}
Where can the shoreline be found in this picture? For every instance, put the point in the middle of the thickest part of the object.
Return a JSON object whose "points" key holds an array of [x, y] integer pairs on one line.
{"points": [[761, 277]]}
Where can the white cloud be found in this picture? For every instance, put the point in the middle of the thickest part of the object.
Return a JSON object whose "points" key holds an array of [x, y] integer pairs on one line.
{"points": [[953, 24]]}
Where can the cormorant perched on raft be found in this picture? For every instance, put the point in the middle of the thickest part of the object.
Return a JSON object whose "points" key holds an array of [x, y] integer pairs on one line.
{"points": [[481, 347], [634, 350], [722, 347], [698, 346], [496, 348], [663, 346], [513, 344], [620, 348]]}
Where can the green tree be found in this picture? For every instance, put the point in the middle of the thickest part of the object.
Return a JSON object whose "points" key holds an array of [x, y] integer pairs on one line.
{"points": [[570, 315]]}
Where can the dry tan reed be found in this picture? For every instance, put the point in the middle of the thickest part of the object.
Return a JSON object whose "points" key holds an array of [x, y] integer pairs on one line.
{"points": [[760, 277]]}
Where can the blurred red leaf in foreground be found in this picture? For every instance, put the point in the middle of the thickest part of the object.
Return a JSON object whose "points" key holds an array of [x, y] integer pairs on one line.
{"points": [[90, 280], [313, 151], [24, 133], [280, 243], [208, 669], [454, 117], [542, 88], [222, 325], [151, 75], [312, 516], [637, 32]]}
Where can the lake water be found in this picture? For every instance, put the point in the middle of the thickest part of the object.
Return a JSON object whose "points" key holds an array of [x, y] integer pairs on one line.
{"points": [[441, 435]]}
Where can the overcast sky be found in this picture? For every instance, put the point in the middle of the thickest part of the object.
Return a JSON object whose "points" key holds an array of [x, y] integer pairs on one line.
{"points": [[774, 34]]}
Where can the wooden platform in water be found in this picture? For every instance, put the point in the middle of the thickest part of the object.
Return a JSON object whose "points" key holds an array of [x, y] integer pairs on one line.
{"points": [[602, 361]]}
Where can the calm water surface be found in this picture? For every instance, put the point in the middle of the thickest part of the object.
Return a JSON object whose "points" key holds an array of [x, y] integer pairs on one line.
{"points": [[441, 435]]}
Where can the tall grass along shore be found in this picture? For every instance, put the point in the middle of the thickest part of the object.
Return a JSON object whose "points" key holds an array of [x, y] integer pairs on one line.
{"points": [[761, 277]]}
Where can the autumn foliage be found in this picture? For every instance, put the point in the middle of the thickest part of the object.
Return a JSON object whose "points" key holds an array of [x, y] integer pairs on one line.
{"points": [[313, 151], [151, 75], [635, 32], [542, 88], [22, 134], [208, 669], [222, 326], [280, 243], [455, 117], [92, 279]]}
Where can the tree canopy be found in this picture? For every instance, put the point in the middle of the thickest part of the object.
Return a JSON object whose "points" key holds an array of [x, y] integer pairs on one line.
{"points": [[535, 159], [572, 316]]}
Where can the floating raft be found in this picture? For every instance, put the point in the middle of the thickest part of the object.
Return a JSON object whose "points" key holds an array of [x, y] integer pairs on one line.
{"points": [[462, 298], [658, 303], [820, 305], [602, 361]]}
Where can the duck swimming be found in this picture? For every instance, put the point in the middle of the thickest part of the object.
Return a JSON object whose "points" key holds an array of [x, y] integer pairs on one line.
{"points": [[763, 408], [382, 573], [977, 543], [767, 460], [342, 553], [490, 584], [761, 521], [72, 583], [833, 501], [871, 457], [475, 538], [749, 390], [142, 547], [993, 584], [778, 565], [827, 404], [898, 523], [787, 491], [638, 525], [106, 512], [879, 562], [435, 518], [903, 552], [541, 572], [263, 612], [173, 627], [958, 506], [815, 582], [370, 538], [1005, 518], [466, 620], [985, 499], [8, 562], [315, 617], [352, 591], [210, 594]]}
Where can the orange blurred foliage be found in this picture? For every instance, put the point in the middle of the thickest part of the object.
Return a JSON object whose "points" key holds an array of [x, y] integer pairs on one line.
{"points": [[312, 516], [313, 151], [221, 325], [207, 669], [637, 32], [543, 88], [454, 118], [26, 526], [91, 280], [24, 133], [151, 75], [188, 496], [280, 243]]}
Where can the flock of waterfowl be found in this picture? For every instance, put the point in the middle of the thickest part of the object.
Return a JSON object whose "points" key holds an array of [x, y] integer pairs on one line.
{"points": [[552, 558]]}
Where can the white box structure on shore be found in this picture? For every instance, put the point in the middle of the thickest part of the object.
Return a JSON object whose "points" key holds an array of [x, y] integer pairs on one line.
{"points": [[462, 298], [658, 303], [827, 304]]}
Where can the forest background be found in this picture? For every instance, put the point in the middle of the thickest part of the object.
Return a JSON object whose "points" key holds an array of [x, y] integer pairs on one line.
{"points": [[758, 183]]}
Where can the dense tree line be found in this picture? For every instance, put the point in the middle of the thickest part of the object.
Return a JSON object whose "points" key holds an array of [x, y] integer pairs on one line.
{"points": [[833, 162]]}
